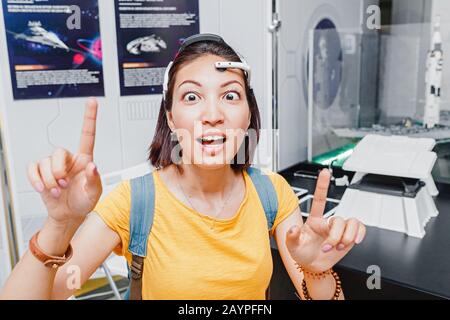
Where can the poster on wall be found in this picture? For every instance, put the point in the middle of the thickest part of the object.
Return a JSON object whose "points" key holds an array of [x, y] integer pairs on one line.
{"points": [[149, 34], [54, 47]]}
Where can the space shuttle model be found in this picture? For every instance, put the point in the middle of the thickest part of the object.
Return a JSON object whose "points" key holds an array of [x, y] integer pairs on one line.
{"points": [[433, 80]]}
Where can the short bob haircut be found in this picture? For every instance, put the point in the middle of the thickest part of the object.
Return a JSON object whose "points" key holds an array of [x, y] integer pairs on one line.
{"points": [[160, 150]]}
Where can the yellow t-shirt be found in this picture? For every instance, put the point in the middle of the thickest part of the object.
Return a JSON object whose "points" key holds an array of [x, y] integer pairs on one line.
{"points": [[186, 259]]}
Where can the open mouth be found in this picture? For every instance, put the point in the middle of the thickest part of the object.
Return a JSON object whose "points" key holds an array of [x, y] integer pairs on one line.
{"points": [[212, 140]]}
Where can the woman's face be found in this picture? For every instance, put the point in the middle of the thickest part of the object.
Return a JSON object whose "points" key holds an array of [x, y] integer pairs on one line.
{"points": [[210, 112]]}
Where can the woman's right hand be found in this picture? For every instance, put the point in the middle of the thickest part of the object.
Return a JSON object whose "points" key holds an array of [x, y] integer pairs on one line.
{"points": [[70, 184]]}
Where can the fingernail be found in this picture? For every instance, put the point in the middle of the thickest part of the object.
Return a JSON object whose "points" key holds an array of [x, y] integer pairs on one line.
{"points": [[359, 239], [39, 187], [341, 247], [327, 247], [95, 169], [55, 192], [62, 183]]}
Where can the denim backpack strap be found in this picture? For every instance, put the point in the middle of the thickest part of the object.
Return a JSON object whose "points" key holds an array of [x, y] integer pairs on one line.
{"points": [[141, 221], [268, 197], [266, 192]]}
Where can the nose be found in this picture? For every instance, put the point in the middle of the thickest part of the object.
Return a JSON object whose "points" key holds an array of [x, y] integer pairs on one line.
{"points": [[212, 113]]}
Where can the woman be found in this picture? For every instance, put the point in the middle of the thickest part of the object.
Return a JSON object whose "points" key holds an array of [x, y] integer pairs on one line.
{"points": [[209, 237]]}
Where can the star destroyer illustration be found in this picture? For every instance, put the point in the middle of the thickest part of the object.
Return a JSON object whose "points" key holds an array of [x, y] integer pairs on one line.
{"points": [[37, 34]]}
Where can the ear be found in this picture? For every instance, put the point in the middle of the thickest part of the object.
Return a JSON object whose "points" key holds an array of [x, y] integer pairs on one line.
{"points": [[170, 120]]}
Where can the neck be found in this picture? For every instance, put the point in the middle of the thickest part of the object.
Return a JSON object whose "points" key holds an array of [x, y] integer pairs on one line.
{"points": [[207, 182]]}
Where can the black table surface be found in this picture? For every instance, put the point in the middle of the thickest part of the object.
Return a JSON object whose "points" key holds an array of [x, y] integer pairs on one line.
{"points": [[418, 264]]}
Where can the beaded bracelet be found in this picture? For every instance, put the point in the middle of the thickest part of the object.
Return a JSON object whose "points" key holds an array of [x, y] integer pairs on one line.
{"points": [[314, 275], [321, 275]]}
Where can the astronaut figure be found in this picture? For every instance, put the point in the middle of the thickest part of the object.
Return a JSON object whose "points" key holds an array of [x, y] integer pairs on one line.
{"points": [[433, 79]]}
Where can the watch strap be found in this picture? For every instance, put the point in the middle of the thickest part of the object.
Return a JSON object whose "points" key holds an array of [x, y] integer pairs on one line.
{"points": [[48, 260]]}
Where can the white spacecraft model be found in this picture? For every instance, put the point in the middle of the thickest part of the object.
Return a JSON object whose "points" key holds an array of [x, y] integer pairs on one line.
{"points": [[37, 34], [392, 187], [435, 60], [146, 44], [432, 115]]}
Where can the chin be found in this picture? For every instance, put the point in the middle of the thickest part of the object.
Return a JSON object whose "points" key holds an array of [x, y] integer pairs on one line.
{"points": [[212, 166], [213, 162]]}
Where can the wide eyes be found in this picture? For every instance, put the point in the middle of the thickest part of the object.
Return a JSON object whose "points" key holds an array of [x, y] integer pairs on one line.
{"points": [[191, 97], [232, 96]]}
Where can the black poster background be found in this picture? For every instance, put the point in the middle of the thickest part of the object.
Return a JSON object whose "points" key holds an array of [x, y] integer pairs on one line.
{"points": [[54, 48], [147, 50]]}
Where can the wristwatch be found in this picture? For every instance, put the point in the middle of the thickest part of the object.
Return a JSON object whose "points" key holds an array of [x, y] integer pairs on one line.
{"points": [[48, 260]]}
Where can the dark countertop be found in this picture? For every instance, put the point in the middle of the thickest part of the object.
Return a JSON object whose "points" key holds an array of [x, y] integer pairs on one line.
{"points": [[417, 264]]}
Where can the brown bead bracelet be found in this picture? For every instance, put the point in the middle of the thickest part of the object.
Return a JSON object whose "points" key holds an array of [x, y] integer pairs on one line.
{"points": [[314, 275], [321, 275]]}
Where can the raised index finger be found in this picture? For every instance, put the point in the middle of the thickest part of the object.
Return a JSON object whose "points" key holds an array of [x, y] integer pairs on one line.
{"points": [[87, 139], [320, 194]]}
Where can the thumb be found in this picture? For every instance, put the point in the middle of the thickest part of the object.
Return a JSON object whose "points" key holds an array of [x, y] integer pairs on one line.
{"points": [[293, 237], [93, 186]]}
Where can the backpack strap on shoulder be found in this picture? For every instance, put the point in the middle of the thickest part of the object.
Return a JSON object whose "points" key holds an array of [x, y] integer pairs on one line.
{"points": [[141, 221], [268, 197], [266, 192]]}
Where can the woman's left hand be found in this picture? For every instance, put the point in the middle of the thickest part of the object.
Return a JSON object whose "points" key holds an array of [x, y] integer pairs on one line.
{"points": [[319, 244]]}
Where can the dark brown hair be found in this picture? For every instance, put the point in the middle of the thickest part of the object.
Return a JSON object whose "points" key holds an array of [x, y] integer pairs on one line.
{"points": [[160, 150]]}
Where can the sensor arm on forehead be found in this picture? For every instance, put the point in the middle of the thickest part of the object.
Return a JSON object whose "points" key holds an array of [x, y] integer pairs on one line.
{"points": [[236, 65]]}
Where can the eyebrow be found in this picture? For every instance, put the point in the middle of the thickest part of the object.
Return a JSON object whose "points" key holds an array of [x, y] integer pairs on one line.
{"points": [[190, 81], [231, 82]]}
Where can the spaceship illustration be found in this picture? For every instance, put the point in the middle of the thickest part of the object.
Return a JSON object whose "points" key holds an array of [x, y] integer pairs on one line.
{"points": [[37, 34], [146, 44]]}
